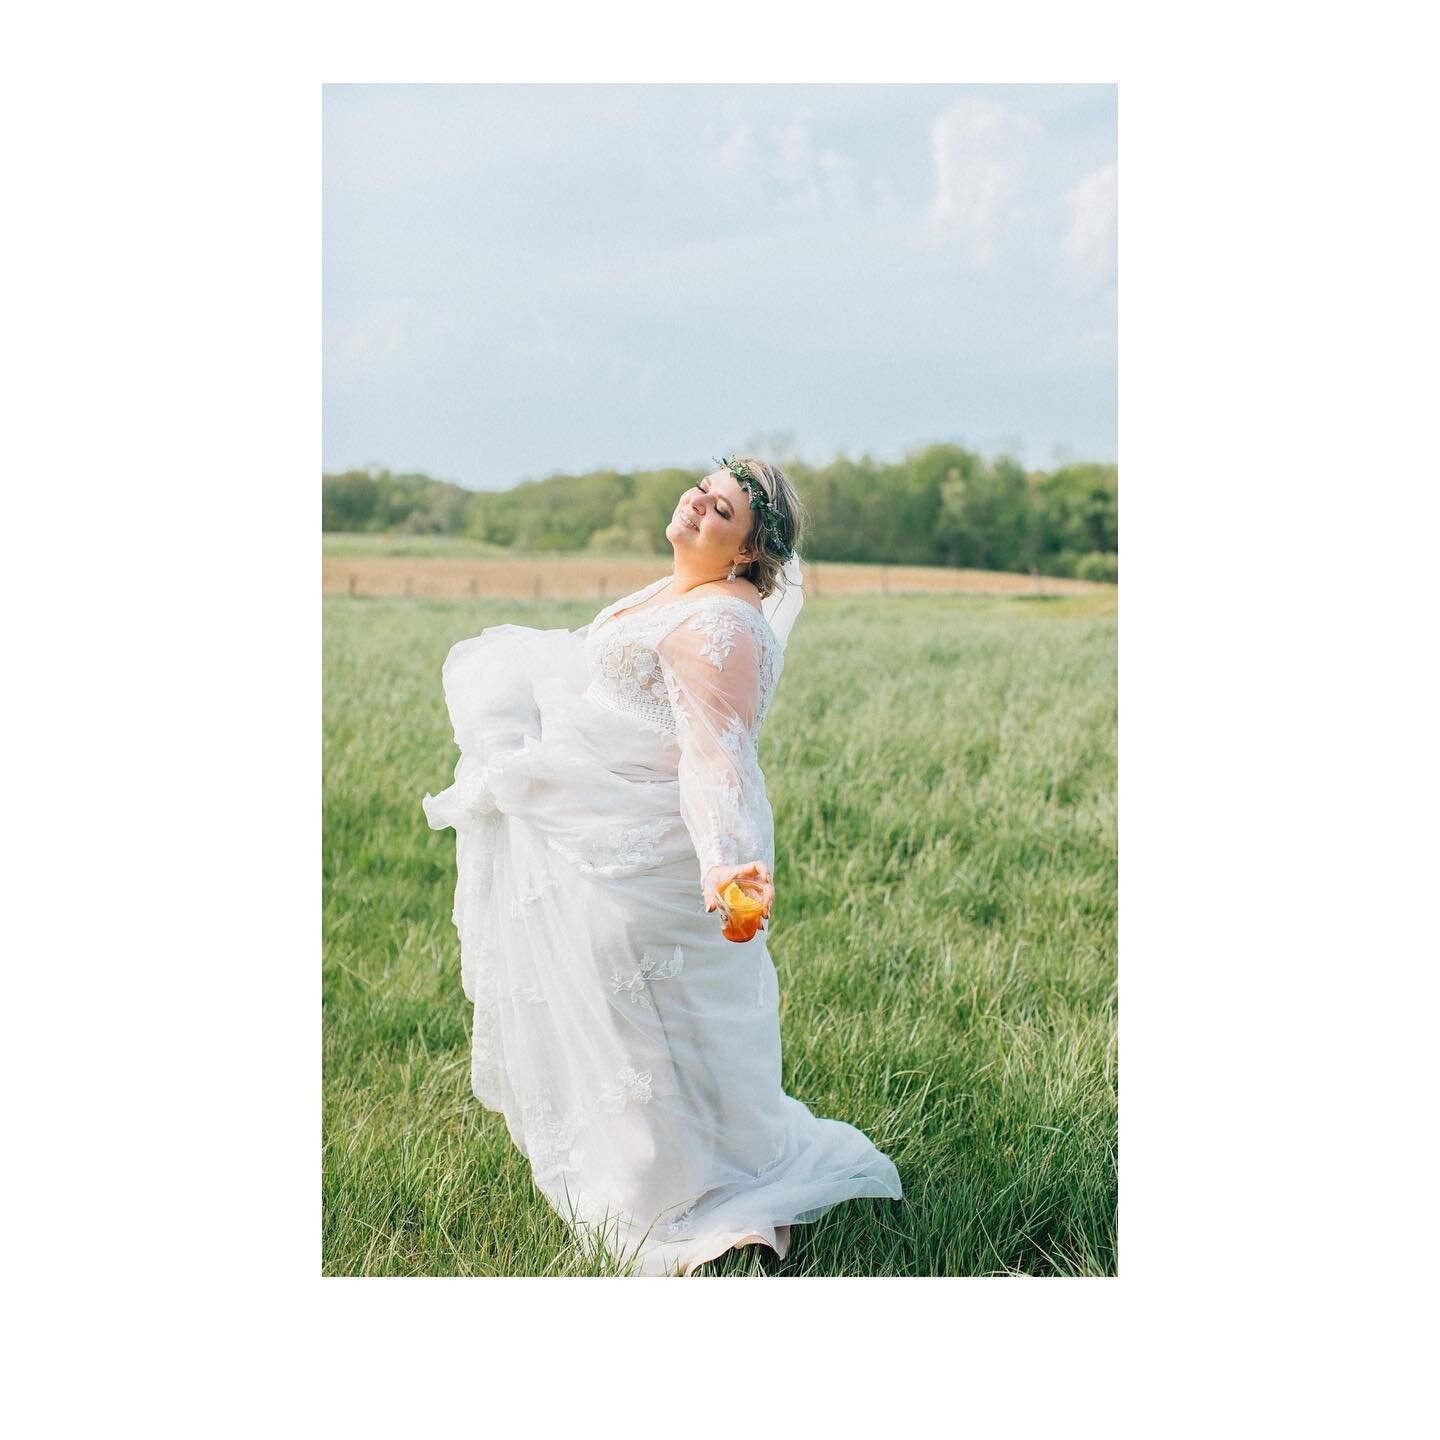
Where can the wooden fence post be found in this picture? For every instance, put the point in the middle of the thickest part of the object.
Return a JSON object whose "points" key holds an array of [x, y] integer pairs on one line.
{"points": [[472, 587], [352, 586], [407, 587], [884, 582], [537, 587]]}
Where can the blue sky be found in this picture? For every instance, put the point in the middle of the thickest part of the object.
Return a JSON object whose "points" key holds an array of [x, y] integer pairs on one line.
{"points": [[523, 279]]}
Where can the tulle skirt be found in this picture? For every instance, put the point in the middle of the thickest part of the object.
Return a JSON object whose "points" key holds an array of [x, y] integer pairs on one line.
{"points": [[633, 1051]]}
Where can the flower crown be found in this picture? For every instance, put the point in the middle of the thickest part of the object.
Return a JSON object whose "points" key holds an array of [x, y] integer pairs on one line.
{"points": [[759, 500]]}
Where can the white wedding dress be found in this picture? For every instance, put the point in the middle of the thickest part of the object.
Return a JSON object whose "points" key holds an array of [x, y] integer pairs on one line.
{"points": [[633, 1051]]}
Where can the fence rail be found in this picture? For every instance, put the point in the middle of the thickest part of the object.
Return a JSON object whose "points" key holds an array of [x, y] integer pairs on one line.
{"points": [[447, 578]]}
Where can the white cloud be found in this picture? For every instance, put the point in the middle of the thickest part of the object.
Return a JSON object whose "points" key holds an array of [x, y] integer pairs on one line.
{"points": [[1088, 249], [793, 152], [808, 179], [979, 149], [798, 176], [730, 147]]}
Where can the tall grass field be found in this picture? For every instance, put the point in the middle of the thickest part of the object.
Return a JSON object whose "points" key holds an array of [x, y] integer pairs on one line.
{"points": [[942, 771]]}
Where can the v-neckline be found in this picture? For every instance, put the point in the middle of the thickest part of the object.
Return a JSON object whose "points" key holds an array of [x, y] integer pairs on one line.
{"points": [[644, 605]]}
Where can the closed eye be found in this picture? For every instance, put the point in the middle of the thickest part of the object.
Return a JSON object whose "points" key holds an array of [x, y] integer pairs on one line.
{"points": [[719, 504]]}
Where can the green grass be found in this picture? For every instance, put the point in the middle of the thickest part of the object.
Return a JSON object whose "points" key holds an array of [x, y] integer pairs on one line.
{"points": [[942, 771], [350, 543]]}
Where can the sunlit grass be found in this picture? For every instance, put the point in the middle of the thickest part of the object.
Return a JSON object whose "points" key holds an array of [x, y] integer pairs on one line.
{"points": [[942, 771]]}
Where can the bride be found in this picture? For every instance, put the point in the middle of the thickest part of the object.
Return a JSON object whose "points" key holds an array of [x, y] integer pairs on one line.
{"points": [[609, 814]]}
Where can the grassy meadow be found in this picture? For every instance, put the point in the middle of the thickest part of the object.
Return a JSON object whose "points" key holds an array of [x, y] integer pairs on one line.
{"points": [[942, 772]]}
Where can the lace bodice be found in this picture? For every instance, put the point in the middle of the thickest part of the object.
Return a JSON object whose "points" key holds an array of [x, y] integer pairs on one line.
{"points": [[700, 671], [622, 652]]}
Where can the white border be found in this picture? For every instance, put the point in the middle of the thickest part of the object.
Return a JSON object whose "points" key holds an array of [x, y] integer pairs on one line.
{"points": [[1278, 319]]}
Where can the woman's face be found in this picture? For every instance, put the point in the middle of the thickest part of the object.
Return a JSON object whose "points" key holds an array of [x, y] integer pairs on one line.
{"points": [[712, 521]]}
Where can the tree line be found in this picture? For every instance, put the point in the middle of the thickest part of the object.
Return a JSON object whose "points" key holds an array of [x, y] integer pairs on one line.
{"points": [[940, 505]]}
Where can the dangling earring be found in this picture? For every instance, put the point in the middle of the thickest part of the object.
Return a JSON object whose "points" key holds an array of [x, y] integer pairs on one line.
{"points": [[731, 575]]}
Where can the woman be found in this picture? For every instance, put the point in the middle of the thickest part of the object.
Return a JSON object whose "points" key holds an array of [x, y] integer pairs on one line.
{"points": [[607, 795]]}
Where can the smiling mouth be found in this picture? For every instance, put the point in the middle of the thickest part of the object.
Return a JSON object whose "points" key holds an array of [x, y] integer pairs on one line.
{"points": [[689, 526]]}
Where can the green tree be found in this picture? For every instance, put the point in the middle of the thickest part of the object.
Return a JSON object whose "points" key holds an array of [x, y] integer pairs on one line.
{"points": [[940, 505], [652, 502], [987, 514], [1078, 508], [347, 501]]}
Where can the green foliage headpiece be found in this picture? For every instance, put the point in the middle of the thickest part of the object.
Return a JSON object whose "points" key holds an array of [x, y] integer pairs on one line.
{"points": [[759, 500]]}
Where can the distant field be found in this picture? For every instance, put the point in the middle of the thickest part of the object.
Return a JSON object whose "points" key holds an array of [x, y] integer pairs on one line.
{"points": [[942, 771], [409, 546], [447, 567]]}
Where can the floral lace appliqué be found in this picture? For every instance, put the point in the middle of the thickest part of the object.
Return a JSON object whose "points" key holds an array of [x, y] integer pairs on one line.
{"points": [[485, 1074], [726, 833], [549, 1133], [736, 738], [625, 676], [631, 1084], [637, 984], [719, 625], [678, 1225], [528, 895], [618, 848]]}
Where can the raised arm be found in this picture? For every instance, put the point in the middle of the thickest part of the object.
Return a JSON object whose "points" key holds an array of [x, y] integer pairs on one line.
{"points": [[711, 665]]}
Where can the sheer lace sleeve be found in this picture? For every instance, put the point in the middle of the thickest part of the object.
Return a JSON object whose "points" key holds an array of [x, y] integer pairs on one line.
{"points": [[711, 665]]}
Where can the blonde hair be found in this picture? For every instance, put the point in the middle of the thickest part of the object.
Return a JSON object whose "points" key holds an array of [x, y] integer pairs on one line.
{"points": [[764, 571]]}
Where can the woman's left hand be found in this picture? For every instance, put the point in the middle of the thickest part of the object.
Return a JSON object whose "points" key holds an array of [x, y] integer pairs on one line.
{"points": [[753, 878]]}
